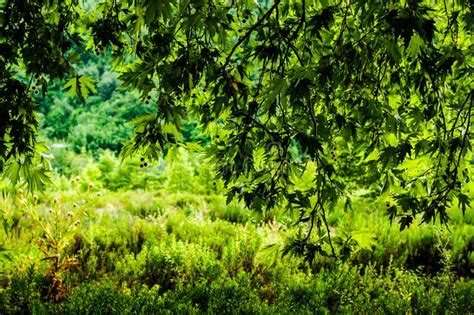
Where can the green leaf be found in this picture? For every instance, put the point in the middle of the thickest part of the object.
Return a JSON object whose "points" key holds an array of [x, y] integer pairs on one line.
{"points": [[405, 222], [80, 86], [259, 158], [463, 202], [87, 85]]}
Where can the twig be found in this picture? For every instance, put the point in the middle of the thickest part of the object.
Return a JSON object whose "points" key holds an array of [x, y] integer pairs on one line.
{"points": [[328, 231], [249, 32]]}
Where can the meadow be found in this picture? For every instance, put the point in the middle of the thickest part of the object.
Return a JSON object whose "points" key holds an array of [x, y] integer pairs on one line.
{"points": [[110, 237]]}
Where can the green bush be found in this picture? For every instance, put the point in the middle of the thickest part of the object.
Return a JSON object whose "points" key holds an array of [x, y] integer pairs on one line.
{"points": [[147, 243]]}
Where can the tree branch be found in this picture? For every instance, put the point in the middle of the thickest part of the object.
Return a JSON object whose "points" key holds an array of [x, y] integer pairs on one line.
{"points": [[249, 32]]}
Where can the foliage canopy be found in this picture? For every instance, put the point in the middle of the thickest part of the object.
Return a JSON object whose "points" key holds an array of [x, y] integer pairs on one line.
{"points": [[379, 89]]}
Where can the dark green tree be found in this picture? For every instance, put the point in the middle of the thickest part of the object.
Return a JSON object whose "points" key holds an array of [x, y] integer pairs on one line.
{"points": [[377, 86]]}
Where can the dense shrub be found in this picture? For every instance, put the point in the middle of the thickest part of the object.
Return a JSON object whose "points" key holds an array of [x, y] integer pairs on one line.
{"points": [[171, 247]]}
